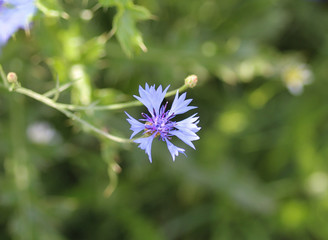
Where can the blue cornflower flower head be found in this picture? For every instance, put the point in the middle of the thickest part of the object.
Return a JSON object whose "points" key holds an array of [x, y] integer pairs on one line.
{"points": [[14, 14], [159, 122]]}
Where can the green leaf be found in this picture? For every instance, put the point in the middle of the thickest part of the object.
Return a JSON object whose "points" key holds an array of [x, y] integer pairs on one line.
{"points": [[139, 12], [124, 25]]}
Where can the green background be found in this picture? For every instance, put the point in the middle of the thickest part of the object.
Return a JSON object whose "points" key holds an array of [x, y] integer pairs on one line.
{"points": [[259, 170]]}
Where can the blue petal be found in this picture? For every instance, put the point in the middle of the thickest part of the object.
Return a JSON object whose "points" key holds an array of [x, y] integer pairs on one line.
{"points": [[136, 126], [145, 144], [180, 105], [186, 130], [189, 123], [174, 150], [14, 14], [186, 136], [152, 98]]}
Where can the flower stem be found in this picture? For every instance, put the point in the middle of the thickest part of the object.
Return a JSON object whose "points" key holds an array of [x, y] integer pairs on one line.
{"points": [[173, 92], [69, 114], [114, 106], [59, 89], [100, 108]]}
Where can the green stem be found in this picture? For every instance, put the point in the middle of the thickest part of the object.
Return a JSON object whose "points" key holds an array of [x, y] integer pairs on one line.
{"points": [[59, 89], [173, 92], [99, 108], [69, 114], [114, 106]]}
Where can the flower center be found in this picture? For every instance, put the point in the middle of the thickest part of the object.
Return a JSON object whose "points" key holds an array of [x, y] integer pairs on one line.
{"points": [[159, 124]]}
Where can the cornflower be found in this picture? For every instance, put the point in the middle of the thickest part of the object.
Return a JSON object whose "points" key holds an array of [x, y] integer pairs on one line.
{"points": [[159, 121]]}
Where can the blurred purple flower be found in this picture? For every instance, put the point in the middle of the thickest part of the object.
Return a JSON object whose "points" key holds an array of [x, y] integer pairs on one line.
{"points": [[159, 121], [14, 14]]}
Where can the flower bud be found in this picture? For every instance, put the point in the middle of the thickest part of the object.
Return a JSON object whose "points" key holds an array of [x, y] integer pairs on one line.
{"points": [[191, 80], [12, 77]]}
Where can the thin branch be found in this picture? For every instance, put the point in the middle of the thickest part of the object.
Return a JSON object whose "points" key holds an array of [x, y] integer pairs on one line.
{"points": [[114, 106], [69, 114], [59, 89]]}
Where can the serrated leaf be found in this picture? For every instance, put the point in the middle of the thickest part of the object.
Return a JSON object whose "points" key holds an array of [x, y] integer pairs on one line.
{"points": [[140, 13], [124, 25]]}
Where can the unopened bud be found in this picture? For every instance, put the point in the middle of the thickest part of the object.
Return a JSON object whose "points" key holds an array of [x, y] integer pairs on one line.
{"points": [[191, 80], [12, 77]]}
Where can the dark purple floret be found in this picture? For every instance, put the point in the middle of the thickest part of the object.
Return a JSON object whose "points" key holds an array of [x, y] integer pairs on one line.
{"points": [[161, 125]]}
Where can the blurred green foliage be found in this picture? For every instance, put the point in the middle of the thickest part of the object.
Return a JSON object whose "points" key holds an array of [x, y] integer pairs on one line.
{"points": [[260, 168]]}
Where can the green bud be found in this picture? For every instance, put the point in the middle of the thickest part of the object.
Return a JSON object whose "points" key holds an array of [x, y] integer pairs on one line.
{"points": [[12, 77], [191, 80]]}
